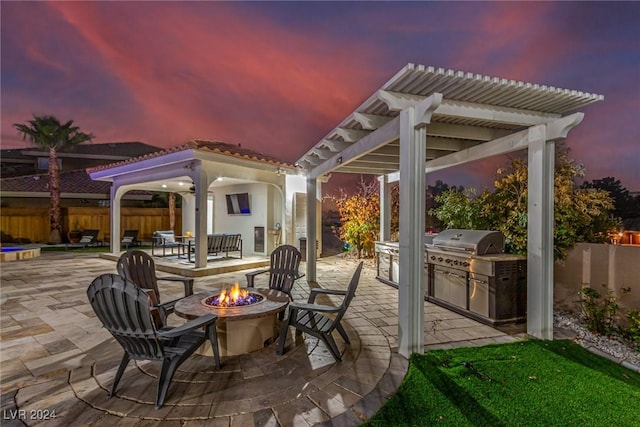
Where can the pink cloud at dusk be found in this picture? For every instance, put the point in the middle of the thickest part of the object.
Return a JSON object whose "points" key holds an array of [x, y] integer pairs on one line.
{"points": [[208, 76], [276, 77]]}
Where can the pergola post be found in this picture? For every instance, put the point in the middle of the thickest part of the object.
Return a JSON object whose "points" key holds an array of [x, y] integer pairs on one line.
{"points": [[412, 217], [411, 283], [540, 234], [541, 159], [385, 208], [312, 189]]}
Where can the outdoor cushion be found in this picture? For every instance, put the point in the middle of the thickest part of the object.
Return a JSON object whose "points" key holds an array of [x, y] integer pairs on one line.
{"points": [[168, 238]]}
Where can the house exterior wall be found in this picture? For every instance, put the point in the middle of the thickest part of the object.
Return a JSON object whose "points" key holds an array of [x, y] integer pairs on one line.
{"points": [[265, 205], [590, 264]]}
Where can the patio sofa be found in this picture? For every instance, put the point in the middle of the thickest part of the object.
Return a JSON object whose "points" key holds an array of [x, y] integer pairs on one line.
{"points": [[224, 243]]}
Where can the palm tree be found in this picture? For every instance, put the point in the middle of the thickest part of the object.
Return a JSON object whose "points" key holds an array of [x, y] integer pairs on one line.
{"points": [[49, 134]]}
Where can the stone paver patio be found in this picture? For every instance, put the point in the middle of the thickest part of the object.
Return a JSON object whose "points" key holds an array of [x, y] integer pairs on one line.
{"points": [[56, 359]]}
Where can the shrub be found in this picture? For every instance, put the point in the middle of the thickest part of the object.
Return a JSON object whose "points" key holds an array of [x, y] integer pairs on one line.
{"points": [[633, 331], [598, 313]]}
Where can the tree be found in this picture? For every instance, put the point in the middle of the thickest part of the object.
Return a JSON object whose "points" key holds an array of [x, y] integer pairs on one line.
{"points": [[580, 214], [433, 191], [360, 218], [49, 134], [626, 206]]}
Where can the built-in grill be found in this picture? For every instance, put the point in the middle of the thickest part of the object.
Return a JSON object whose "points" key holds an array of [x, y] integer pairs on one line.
{"points": [[469, 272]]}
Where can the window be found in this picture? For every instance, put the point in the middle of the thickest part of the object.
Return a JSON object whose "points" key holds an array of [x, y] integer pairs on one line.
{"points": [[43, 163]]}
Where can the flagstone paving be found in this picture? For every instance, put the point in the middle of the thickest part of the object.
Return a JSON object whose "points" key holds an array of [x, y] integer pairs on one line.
{"points": [[57, 362]]}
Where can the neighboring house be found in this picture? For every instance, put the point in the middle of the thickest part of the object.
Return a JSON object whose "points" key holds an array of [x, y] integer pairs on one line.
{"points": [[76, 187], [32, 160], [24, 187], [630, 233], [25, 180]]}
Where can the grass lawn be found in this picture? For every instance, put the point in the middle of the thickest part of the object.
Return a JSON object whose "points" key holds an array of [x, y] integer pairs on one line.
{"points": [[529, 383]]}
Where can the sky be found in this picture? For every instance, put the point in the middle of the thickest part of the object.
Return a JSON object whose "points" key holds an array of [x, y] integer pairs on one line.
{"points": [[276, 77]]}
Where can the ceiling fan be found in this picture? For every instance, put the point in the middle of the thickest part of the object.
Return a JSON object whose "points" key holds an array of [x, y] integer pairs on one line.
{"points": [[191, 190]]}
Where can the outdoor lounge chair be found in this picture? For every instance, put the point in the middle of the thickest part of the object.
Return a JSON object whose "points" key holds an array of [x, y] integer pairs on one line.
{"points": [[320, 320], [165, 240], [138, 267], [129, 238], [124, 310], [89, 238], [283, 270]]}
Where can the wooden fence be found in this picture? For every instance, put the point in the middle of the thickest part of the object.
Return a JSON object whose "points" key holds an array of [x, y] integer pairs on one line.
{"points": [[32, 225]]}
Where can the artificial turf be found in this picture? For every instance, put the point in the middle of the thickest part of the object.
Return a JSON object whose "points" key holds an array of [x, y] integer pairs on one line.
{"points": [[528, 383]]}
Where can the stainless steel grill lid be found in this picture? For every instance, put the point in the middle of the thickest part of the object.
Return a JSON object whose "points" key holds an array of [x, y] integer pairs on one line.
{"points": [[472, 242]]}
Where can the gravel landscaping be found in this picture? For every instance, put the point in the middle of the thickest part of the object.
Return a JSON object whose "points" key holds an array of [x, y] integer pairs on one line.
{"points": [[615, 345]]}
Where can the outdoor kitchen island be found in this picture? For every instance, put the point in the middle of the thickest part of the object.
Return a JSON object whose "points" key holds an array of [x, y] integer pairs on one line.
{"points": [[468, 272]]}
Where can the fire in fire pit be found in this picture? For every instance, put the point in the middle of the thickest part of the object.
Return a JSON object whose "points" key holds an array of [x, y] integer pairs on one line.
{"points": [[233, 297]]}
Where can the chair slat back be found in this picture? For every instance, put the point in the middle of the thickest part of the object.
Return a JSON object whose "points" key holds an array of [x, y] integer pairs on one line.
{"points": [[351, 293], [124, 310], [139, 268], [285, 261], [215, 242]]}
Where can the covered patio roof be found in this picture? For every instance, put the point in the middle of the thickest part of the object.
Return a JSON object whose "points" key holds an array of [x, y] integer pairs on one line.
{"points": [[194, 170], [425, 119]]}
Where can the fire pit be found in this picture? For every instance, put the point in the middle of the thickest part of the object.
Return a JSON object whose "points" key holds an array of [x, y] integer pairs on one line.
{"points": [[233, 297], [248, 324]]}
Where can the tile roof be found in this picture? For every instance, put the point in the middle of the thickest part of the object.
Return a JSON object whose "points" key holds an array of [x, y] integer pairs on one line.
{"points": [[217, 147], [124, 149], [70, 182]]}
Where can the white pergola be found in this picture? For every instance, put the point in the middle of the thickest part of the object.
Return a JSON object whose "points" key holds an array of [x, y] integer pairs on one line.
{"points": [[425, 119]]}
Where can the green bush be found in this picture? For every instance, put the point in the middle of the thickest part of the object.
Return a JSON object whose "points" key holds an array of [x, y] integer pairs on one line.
{"points": [[598, 313], [633, 331]]}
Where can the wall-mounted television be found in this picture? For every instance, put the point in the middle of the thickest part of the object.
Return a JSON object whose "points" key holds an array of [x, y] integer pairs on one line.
{"points": [[238, 204]]}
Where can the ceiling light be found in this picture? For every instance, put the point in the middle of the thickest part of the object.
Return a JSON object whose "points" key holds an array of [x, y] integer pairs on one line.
{"points": [[164, 185]]}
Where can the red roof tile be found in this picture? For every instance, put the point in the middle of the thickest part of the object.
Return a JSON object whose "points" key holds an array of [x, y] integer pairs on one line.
{"points": [[203, 145], [70, 182]]}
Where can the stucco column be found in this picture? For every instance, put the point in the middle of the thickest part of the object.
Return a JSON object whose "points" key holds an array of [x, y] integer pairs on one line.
{"points": [[385, 208], [114, 218], [540, 234], [201, 182], [188, 213], [312, 189]]}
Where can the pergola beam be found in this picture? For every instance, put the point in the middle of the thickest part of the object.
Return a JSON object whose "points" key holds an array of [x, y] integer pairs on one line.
{"points": [[469, 110], [504, 115], [475, 133], [365, 145]]}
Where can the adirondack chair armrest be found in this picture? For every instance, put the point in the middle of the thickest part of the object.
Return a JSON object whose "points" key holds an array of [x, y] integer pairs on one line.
{"points": [[186, 281], [314, 293], [192, 325], [252, 275], [313, 307]]}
